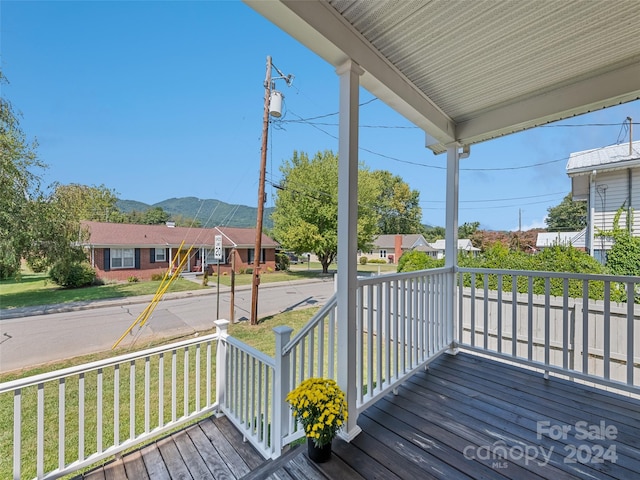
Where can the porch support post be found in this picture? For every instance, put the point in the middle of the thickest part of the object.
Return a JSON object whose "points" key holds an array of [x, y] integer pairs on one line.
{"points": [[221, 365], [451, 241], [281, 388], [349, 74]]}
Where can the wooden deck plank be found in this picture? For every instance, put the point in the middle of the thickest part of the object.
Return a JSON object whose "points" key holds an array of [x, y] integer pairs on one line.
{"points": [[511, 432], [301, 467], [134, 466], [115, 471], [192, 458], [97, 474], [210, 456], [451, 436], [547, 406], [250, 455], [461, 402], [154, 464], [176, 465], [226, 451], [431, 440], [337, 468], [355, 455]]}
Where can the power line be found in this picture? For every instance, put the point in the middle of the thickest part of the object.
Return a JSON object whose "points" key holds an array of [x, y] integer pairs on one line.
{"points": [[501, 199]]}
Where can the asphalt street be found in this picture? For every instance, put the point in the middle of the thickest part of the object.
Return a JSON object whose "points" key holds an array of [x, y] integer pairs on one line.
{"points": [[38, 335]]}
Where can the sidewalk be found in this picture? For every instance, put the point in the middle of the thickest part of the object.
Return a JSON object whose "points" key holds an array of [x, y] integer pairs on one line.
{"points": [[6, 313]]}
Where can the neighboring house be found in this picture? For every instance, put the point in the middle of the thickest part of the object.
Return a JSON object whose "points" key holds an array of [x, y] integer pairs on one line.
{"points": [[606, 178], [464, 245], [391, 247], [118, 250], [549, 239]]}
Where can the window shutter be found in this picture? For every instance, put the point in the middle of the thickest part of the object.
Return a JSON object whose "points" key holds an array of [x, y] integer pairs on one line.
{"points": [[137, 258], [107, 259], [166, 255], [152, 255]]}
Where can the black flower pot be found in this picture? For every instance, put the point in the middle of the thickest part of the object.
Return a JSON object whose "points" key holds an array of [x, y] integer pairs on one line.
{"points": [[318, 454]]}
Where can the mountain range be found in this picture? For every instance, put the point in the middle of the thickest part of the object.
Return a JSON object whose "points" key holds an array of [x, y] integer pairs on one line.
{"points": [[210, 212]]}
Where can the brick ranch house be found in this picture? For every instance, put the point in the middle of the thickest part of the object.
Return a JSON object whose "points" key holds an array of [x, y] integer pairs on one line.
{"points": [[118, 250]]}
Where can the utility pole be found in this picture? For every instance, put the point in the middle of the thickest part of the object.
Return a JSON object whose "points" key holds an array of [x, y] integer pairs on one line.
{"points": [[263, 166], [274, 110]]}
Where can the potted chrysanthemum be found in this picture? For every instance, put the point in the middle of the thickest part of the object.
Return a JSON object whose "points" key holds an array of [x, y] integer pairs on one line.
{"points": [[320, 407]]}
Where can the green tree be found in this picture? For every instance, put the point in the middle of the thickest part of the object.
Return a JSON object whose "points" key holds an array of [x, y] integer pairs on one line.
{"points": [[19, 189], [155, 216], [305, 218], [468, 229], [431, 234], [568, 216], [397, 206], [97, 203]]}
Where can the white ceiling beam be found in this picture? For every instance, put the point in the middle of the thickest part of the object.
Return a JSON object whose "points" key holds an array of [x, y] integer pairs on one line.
{"points": [[605, 90]]}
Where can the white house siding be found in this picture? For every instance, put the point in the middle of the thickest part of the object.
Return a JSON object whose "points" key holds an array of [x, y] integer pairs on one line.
{"points": [[609, 199]]}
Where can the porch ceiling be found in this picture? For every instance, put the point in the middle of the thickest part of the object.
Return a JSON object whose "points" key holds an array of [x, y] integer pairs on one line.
{"points": [[472, 71]]}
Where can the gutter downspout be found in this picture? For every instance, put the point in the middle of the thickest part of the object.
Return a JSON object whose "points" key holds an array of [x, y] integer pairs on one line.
{"points": [[591, 214]]}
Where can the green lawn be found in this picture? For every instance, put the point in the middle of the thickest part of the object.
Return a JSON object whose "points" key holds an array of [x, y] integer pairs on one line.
{"points": [[33, 289], [259, 336]]}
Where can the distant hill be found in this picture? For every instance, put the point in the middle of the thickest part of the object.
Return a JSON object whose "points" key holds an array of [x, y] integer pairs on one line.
{"points": [[209, 212]]}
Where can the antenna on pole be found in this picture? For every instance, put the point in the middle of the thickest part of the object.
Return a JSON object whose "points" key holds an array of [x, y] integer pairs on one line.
{"points": [[272, 106], [630, 136]]}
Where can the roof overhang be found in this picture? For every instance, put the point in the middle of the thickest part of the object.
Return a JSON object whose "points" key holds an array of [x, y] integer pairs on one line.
{"points": [[467, 72]]}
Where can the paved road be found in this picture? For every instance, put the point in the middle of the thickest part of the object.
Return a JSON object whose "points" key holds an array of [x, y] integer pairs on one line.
{"points": [[68, 331]]}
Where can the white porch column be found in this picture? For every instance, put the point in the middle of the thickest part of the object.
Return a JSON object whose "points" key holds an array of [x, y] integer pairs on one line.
{"points": [[348, 238], [451, 236]]}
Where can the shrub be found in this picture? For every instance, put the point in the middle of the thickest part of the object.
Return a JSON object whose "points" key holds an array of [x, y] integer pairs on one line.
{"points": [[156, 277], [205, 279], [249, 271], [72, 274], [37, 264], [378, 260], [282, 262], [416, 260], [363, 260], [132, 279]]}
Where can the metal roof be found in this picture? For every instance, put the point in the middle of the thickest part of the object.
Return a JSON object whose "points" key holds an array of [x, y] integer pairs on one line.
{"points": [[606, 158], [471, 71]]}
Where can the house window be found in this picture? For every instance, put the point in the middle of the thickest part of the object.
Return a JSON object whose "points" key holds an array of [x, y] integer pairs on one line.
{"points": [[161, 254], [383, 254], [122, 258], [251, 256]]}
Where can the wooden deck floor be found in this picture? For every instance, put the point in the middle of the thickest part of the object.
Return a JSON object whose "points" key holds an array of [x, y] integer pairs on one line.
{"points": [[466, 417]]}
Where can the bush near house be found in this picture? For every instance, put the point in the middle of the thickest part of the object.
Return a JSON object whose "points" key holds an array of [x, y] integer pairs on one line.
{"points": [[72, 274]]}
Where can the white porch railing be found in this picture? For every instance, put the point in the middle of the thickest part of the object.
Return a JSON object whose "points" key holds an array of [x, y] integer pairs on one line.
{"points": [[401, 325], [554, 323], [102, 408]]}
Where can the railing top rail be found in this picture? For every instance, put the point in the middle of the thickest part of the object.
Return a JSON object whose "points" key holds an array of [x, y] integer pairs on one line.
{"points": [[324, 310], [257, 354], [387, 277], [539, 273], [107, 362]]}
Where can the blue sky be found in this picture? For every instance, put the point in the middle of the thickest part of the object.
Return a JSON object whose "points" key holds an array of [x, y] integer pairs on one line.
{"points": [[157, 100]]}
